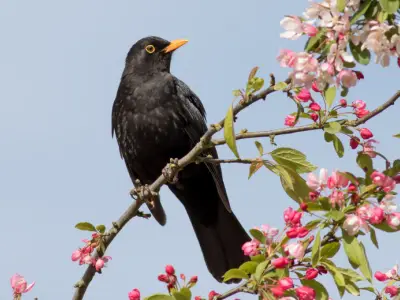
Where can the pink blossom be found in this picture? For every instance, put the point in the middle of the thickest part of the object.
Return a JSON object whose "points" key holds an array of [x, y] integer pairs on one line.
{"points": [[212, 295], [100, 262], [287, 58], [347, 78], [286, 283], [250, 248], [377, 215], [354, 142], [353, 224], [292, 217], [169, 270], [163, 278], [343, 103], [392, 273], [393, 220], [290, 120], [337, 180], [364, 212], [305, 293], [296, 250], [134, 294], [314, 117], [366, 133], [297, 232], [387, 183], [315, 106], [280, 263], [337, 197], [293, 26], [304, 95], [19, 284], [193, 279], [369, 148], [315, 87], [268, 232], [77, 254], [315, 183], [359, 104]]}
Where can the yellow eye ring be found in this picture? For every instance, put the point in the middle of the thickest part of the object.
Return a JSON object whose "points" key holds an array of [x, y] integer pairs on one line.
{"points": [[150, 49]]}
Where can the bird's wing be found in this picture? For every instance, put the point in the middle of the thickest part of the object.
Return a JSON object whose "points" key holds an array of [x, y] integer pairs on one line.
{"points": [[195, 128]]}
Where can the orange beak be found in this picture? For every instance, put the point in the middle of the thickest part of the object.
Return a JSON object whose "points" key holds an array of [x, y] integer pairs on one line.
{"points": [[175, 44]]}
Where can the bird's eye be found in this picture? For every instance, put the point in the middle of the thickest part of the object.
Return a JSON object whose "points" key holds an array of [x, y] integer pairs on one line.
{"points": [[150, 49]]}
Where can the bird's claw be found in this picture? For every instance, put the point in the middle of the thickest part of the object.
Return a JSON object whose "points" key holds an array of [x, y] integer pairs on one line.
{"points": [[170, 172], [143, 193]]}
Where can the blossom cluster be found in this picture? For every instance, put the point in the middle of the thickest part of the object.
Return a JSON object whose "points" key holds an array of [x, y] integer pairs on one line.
{"points": [[84, 254], [391, 275]]}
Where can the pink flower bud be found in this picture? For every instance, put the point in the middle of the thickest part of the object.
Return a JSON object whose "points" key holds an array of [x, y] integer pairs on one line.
{"points": [[304, 206], [250, 248], [163, 278], [380, 276], [347, 78], [352, 188], [305, 293], [76, 255], [359, 75], [398, 61], [315, 87], [170, 270], [322, 270], [193, 279], [343, 103], [311, 238], [313, 196], [302, 232], [280, 263], [311, 273], [19, 284], [99, 264], [296, 250], [292, 233], [290, 120], [359, 104], [212, 294], [286, 283], [366, 133], [352, 224], [277, 291], [304, 95], [354, 142], [197, 298], [392, 290], [309, 29], [134, 294], [314, 117], [361, 113], [315, 106]]}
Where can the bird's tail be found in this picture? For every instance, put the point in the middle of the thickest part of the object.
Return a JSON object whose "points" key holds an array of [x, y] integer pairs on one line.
{"points": [[218, 231]]}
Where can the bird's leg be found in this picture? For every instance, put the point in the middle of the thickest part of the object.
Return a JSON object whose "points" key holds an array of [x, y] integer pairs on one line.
{"points": [[170, 172]]}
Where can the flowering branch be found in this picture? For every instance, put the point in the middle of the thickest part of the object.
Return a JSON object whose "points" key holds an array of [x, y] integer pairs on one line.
{"points": [[289, 130]]}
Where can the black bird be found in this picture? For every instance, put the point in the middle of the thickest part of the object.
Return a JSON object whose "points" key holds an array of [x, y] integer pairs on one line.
{"points": [[157, 117]]}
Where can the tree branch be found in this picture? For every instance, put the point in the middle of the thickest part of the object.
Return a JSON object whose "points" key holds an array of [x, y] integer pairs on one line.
{"points": [[289, 130], [82, 285]]}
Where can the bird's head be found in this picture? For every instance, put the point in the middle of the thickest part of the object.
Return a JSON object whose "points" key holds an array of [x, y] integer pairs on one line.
{"points": [[152, 55]]}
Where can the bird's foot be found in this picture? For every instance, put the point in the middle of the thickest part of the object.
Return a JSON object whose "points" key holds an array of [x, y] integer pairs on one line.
{"points": [[143, 193], [170, 172]]}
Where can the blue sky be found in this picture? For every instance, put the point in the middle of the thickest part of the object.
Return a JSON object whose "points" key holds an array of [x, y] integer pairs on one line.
{"points": [[60, 66]]}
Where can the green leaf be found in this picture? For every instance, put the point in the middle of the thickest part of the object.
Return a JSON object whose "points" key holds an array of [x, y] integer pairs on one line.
{"points": [[249, 267], [336, 274], [365, 162], [280, 86], [385, 227], [382, 16], [284, 175], [312, 224], [365, 268], [293, 159], [254, 84], [260, 269], [237, 93], [85, 226], [258, 235], [159, 297], [389, 6], [337, 215], [352, 249], [352, 288], [346, 130], [332, 127], [254, 167], [330, 250], [369, 289], [316, 250], [299, 189], [258, 258], [351, 274], [235, 274], [397, 136], [361, 56], [229, 131], [361, 11], [179, 296], [313, 42], [341, 4], [330, 95], [328, 137], [320, 290], [101, 228], [186, 291], [373, 237], [338, 146], [344, 91], [259, 147]]}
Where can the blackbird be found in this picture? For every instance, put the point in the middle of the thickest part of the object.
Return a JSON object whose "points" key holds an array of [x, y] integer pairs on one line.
{"points": [[156, 117]]}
